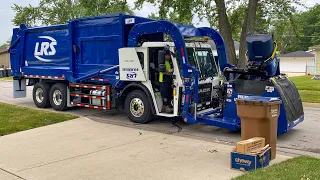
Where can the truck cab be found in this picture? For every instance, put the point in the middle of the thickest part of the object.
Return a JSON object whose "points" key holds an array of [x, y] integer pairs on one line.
{"points": [[199, 54]]}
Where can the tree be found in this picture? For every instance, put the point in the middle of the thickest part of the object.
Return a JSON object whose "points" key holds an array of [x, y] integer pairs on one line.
{"points": [[6, 44], [248, 28], [225, 30], [299, 32], [256, 16], [310, 27], [50, 12], [236, 19], [181, 11], [287, 34]]}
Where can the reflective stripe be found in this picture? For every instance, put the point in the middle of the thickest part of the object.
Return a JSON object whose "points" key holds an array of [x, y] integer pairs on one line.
{"points": [[168, 67], [161, 77]]}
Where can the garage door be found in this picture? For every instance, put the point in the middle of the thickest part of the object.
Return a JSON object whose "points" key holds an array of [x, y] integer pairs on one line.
{"points": [[294, 65]]}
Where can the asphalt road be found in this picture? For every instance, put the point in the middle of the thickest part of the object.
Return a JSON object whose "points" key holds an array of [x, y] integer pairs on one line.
{"points": [[304, 139]]}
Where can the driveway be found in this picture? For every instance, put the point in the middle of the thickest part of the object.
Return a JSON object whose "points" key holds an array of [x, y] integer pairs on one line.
{"points": [[85, 149]]}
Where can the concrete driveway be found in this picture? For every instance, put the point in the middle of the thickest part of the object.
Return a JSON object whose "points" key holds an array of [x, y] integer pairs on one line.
{"points": [[85, 149]]}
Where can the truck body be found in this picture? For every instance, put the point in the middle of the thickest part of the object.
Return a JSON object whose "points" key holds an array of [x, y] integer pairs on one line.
{"points": [[113, 61]]}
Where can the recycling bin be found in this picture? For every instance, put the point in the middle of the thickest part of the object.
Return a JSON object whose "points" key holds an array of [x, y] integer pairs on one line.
{"points": [[2, 72], [259, 118]]}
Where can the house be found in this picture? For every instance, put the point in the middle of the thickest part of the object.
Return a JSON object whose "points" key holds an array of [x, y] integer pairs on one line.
{"points": [[4, 58], [297, 63], [316, 51]]}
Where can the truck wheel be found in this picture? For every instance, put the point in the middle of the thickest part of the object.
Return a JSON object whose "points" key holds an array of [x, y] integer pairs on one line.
{"points": [[137, 107], [40, 95], [58, 97]]}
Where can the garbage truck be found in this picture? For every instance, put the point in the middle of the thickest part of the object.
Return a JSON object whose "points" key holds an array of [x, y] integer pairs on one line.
{"points": [[116, 61]]}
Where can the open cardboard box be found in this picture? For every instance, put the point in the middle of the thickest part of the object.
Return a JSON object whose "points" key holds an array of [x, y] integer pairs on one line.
{"points": [[257, 158]]}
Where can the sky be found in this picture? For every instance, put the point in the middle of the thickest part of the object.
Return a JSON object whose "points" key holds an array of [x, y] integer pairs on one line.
{"points": [[6, 14]]}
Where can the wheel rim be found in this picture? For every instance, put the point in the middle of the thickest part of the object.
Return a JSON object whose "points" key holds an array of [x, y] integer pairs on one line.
{"points": [[57, 97], [136, 107], [39, 95]]}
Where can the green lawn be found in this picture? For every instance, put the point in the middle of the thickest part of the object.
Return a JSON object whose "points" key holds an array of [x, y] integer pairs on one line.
{"points": [[309, 89], [299, 168], [6, 78], [16, 118]]}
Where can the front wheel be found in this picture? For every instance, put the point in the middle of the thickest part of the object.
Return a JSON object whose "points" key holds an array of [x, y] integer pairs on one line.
{"points": [[58, 97], [137, 107]]}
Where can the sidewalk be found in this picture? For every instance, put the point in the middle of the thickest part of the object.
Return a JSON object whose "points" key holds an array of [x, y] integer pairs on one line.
{"points": [[85, 149]]}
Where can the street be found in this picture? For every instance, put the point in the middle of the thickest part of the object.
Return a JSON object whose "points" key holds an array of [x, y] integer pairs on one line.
{"points": [[304, 139]]}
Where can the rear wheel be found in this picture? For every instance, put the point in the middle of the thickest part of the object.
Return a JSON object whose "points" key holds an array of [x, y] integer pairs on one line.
{"points": [[58, 97], [40, 95], [137, 107]]}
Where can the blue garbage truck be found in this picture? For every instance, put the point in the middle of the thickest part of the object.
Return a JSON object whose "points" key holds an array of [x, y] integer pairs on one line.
{"points": [[115, 61]]}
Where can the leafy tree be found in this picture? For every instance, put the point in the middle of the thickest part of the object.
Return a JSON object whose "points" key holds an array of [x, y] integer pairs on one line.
{"points": [[287, 34], [299, 32], [181, 11], [98, 7], [28, 15], [310, 27], [236, 19], [255, 15], [6, 44], [50, 12]]}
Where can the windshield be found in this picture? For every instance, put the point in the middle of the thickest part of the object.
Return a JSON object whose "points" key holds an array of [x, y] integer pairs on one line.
{"points": [[203, 60]]}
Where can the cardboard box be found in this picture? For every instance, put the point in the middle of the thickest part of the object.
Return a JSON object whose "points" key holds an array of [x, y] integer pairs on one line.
{"points": [[249, 145], [248, 162]]}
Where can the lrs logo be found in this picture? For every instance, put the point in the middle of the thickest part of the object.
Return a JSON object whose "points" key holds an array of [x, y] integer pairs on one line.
{"points": [[45, 48]]}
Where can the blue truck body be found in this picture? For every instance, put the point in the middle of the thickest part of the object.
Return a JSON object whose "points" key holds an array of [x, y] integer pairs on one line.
{"points": [[86, 50], [97, 38]]}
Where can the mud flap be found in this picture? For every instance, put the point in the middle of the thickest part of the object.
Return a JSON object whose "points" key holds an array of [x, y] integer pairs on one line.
{"points": [[19, 88], [290, 98]]}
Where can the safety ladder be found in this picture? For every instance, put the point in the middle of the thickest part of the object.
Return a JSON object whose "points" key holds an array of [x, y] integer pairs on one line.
{"points": [[74, 87]]}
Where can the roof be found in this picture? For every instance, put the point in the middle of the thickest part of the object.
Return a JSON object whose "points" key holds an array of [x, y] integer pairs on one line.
{"points": [[3, 51], [298, 54], [316, 47], [213, 45]]}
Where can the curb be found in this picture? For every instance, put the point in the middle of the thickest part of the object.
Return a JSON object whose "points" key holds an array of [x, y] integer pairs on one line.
{"points": [[307, 104]]}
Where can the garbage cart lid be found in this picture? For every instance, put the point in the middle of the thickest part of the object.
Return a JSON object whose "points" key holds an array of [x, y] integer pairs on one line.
{"points": [[259, 99]]}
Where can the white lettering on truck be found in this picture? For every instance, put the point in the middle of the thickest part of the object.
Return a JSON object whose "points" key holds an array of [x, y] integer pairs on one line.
{"points": [[46, 49]]}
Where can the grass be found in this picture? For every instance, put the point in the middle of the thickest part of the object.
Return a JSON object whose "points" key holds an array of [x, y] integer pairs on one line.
{"points": [[306, 83], [300, 168], [309, 89], [6, 78], [16, 118]]}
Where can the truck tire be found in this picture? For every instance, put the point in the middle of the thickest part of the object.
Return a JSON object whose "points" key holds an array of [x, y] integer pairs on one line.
{"points": [[58, 97], [137, 107], [40, 95]]}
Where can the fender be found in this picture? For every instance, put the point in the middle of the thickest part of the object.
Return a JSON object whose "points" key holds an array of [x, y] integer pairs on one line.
{"points": [[136, 85]]}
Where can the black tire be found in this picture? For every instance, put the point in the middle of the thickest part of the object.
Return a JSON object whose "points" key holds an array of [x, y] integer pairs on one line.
{"points": [[44, 101], [61, 89], [146, 116]]}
